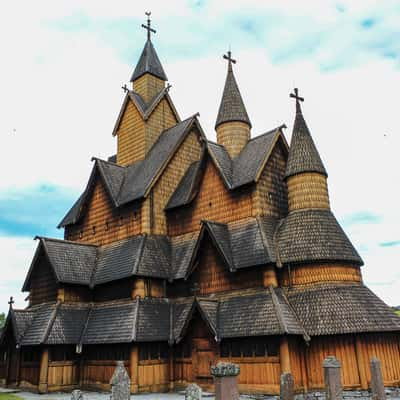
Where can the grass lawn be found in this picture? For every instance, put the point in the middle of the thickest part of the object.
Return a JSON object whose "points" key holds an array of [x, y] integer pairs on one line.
{"points": [[7, 396]]}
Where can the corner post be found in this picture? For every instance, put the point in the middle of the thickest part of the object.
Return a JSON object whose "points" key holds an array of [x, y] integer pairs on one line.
{"points": [[44, 371], [361, 364], [134, 362], [285, 355]]}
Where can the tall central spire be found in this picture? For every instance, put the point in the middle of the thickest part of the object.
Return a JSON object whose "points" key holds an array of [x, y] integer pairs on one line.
{"points": [[233, 124], [148, 77]]}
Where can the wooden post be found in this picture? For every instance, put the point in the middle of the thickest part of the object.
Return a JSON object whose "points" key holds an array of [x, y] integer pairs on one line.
{"points": [[361, 364], [138, 288], [303, 361], [333, 379], [285, 355], [171, 369], [377, 385], [18, 365], [8, 365], [134, 361], [269, 277], [287, 386], [44, 369]]}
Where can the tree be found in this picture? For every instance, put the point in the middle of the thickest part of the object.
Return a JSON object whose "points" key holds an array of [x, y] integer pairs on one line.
{"points": [[2, 319]]}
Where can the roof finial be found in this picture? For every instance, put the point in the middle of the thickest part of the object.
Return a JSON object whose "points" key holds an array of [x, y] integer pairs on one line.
{"points": [[296, 96], [229, 58], [148, 26], [11, 302]]}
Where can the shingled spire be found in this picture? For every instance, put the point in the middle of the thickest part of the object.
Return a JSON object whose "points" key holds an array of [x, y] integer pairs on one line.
{"points": [[305, 173], [303, 154], [149, 77], [233, 124]]}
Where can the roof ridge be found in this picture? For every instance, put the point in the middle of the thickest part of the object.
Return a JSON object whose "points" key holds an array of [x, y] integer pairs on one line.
{"points": [[85, 326], [45, 238], [270, 132], [263, 235], [278, 309], [50, 323], [135, 323], [135, 268]]}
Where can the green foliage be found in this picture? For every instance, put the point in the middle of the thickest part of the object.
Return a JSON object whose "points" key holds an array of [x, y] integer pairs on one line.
{"points": [[7, 396], [397, 312], [2, 319]]}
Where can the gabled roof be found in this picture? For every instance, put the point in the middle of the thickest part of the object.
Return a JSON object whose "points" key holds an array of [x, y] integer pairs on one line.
{"points": [[303, 154], [132, 183], [241, 244], [244, 169], [145, 109], [149, 63], [313, 235], [339, 309], [232, 107]]}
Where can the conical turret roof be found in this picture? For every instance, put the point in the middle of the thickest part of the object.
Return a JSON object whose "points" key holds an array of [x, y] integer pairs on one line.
{"points": [[232, 107], [149, 63], [303, 154]]}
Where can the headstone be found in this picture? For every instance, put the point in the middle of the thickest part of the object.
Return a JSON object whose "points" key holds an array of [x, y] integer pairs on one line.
{"points": [[377, 386], [333, 379], [76, 395], [120, 383], [193, 392], [225, 379], [287, 386]]}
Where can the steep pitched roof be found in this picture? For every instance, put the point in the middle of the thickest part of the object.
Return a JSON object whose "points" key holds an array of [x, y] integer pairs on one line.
{"points": [[313, 235], [149, 63], [303, 154], [132, 183], [145, 109], [339, 309], [232, 107]]}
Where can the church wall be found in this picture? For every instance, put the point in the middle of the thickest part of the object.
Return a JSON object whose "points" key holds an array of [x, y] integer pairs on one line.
{"points": [[102, 224], [188, 152], [130, 136], [317, 273], [213, 202], [43, 283], [74, 294], [121, 289], [148, 86], [160, 119], [270, 195]]}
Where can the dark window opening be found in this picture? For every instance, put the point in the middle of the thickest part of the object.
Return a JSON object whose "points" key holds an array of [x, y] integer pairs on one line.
{"points": [[267, 346], [62, 353], [153, 351], [113, 352], [183, 350], [31, 354]]}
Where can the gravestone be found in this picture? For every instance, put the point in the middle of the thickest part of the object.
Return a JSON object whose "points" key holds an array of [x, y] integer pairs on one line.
{"points": [[377, 386], [333, 378], [120, 383], [76, 395], [287, 386], [225, 379], [193, 392]]}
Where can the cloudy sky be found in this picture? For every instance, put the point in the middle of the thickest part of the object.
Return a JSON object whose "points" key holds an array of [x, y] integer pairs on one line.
{"points": [[63, 63]]}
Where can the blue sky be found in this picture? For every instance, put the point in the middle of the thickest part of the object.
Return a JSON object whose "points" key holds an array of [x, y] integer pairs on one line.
{"points": [[63, 64]]}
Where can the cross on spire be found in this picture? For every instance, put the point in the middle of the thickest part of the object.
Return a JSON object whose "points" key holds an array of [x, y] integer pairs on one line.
{"points": [[296, 96], [148, 26], [11, 302], [125, 88], [229, 58]]}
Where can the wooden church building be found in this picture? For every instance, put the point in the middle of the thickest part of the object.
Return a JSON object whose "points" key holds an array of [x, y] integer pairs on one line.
{"points": [[181, 252]]}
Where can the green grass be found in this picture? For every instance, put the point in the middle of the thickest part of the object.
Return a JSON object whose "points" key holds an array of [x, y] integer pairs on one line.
{"points": [[7, 396]]}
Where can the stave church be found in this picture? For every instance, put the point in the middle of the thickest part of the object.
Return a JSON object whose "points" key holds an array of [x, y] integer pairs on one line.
{"points": [[182, 252]]}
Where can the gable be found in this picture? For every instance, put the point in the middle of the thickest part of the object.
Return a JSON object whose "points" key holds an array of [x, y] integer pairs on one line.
{"points": [[214, 202]]}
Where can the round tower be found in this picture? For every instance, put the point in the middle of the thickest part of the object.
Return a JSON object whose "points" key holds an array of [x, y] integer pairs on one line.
{"points": [[233, 124]]}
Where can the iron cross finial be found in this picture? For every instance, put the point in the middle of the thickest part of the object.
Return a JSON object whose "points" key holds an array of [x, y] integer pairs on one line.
{"points": [[148, 26], [11, 302], [125, 88], [296, 95], [229, 57]]}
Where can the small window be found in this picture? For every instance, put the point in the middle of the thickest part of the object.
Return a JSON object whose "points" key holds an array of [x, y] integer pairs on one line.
{"points": [[235, 348], [94, 229], [121, 220], [80, 234], [247, 348], [107, 226]]}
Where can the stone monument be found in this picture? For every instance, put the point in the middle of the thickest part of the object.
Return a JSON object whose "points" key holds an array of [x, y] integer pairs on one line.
{"points": [[225, 379], [120, 383]]}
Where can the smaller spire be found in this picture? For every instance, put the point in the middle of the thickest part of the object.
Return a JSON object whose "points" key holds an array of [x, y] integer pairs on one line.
{"points": [[11, 302], [149, 61], [303, 154], [232, 107]]}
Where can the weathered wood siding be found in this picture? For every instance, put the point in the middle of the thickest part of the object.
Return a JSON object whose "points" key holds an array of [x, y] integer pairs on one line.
{"points": [[160, 119], [97, 374], [102, 223], [74, 294], [131, 136], [313, 274], [148, 86], [270, 195], [213, 202], [63, 375], [188, 152], [153, 375], [43, 283]]}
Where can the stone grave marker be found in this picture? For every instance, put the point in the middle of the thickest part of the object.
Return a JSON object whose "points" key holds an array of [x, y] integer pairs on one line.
{"points": [[193, 392], [120, 383]]}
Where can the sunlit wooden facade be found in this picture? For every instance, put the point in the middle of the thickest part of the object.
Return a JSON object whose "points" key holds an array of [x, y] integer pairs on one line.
{"points": [[182, 252]]}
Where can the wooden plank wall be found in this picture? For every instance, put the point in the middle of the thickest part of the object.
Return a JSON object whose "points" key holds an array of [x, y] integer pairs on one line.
{"points": [[29, 374], [189, 152], [270, 195], [43, 283], [63, 375], [102, 224], [97, 374], [213, 202], [153, 375]]}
